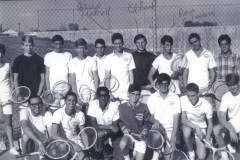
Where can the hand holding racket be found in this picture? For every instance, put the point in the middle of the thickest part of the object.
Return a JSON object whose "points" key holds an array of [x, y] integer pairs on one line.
{"points": [[178, 64], [60, 89], [57, 149], [86, 139], [218, 153]]}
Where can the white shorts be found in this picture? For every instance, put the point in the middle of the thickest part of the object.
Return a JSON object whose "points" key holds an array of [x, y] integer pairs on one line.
{"points": [[138, 146], [5, 103], [235, 124]]}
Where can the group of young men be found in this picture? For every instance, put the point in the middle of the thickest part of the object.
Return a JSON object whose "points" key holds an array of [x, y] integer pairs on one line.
{"points": [[163, 110]]}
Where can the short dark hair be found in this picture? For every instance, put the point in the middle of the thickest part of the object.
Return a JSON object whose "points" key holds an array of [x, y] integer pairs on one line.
{"points": [[27, 39], [192, 87], [140, 36], [193, 35], [70, 94], [57, 38], [224, 37], [166, 38], [117, 36], [133, 88], [163, 77], [232, 79], [33, 96], [100, 41], [81, 42], [2, 48], [102, 88]]}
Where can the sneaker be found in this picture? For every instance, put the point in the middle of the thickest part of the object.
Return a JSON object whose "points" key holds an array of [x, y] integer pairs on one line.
{"points": [[14, 152], [231, 148], [192, 157]]}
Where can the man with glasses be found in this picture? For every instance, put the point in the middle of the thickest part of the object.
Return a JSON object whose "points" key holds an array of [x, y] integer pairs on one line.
{"points": [[104, 116], [230, 106], [134, 118], [165, 111], [36, 125]]}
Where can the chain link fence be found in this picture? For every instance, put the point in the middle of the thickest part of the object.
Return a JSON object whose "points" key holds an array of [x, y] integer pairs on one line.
{"points": [[92, 19]]}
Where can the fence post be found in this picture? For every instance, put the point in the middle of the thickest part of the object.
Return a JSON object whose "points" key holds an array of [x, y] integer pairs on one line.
{"points": [[154, 27]]}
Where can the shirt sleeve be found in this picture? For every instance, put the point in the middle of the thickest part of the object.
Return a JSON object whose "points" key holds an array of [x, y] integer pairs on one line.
{"points": [[41, 66], [56, 118], [23, 114], [182, 105], [212, 62], [147, 116], [155, 63], [209, 110], [116, 113], [15, 65], [71, 66], [94, 65], [46, 60], [150, 104], [224, 104], [177, 105], [131, 63], [48, 119], [81, 118], [107, 61], [91, 111]]}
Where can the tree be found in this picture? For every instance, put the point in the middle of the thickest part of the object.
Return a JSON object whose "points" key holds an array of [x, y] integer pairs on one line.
{"points": [[73, 27]]}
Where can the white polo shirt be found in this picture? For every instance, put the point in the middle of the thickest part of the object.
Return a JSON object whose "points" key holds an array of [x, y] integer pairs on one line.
{"points": [[197, 113], [68, 124], [163, 65], [198, 67], [231, 105], [164, 109], [58, 66], [120, 67], [4, 78], [39, 123], [105, 117], [100, 66], [84, 71]]}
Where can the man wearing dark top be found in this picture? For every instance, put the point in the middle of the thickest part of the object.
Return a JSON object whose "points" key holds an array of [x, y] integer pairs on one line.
{"points": [[143, 61], [28, 68], [134, 118]]}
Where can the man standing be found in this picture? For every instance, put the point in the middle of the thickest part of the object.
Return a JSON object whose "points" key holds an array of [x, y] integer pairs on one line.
{"points": [[200, 63]]}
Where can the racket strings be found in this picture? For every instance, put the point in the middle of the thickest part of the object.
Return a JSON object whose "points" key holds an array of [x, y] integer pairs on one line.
{"points": [[179, 62], [154, 140], [57, 149], [87, 137], [48, 97], [60, 89], [20, 94]]}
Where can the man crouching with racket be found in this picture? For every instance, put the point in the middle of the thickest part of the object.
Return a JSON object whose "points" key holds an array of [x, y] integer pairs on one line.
{"points": [[65, 124], [36, 125], [165, 112], [134, 122], [230, 106], [104, 116], [195, 111]]}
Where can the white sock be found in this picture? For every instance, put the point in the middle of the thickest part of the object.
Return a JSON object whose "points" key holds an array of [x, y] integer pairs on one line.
{"points": [[127, 157], [191, 153], [224, 154], [155, 155]]}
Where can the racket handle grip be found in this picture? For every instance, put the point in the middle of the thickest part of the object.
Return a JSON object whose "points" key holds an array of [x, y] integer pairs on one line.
{"points": [[27, 154]]}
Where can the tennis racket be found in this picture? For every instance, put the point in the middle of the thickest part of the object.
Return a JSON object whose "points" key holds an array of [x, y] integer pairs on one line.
{"points": [[60, 89], [114, 83], [171, 87], [87, 137], [49, 98], [86, 94], [20, 95], [153, 139], [57, 149], [218, 153], [179, 63], [217, 91]]}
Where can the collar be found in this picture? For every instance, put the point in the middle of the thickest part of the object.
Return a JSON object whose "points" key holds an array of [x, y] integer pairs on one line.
{"points": [[101, 108], [138, 103], [120, 55], [198, 104], [169, 95], [96, 57], [226, 55]]}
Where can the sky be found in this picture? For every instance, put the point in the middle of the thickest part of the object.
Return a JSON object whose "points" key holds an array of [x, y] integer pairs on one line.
{"points": [[114, 14]]}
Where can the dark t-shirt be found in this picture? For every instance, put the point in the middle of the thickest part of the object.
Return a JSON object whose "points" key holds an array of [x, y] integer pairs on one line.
{"points": [[143, 62], [29, 70]]}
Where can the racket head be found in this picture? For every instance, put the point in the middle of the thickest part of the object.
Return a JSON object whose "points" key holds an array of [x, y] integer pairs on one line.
{"points": [[219, 90], [49, 98], [90, 139], [154, 139], [20, 94], [178, 155], [222, 153], [60, 89], [179, 62], [86, 94], [57, 149], [114, 83]]}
